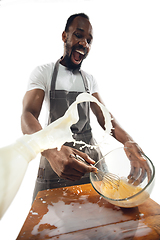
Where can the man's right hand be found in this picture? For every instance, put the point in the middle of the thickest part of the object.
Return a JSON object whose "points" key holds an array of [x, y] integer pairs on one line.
{"points": [[65, 165]]}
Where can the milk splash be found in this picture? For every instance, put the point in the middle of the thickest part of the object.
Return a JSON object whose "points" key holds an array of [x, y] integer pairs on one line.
{"points": [[14, 158], [53, 135]]}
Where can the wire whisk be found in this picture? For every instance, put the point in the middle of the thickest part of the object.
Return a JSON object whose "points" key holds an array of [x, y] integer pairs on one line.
{"points": [[105, 177]]}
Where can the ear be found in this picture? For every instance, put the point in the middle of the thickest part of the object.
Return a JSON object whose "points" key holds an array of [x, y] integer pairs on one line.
{"points": [[64, 37]]}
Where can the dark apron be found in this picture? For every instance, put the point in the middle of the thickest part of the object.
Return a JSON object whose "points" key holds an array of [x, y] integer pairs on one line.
{"points": [[60, 100]]}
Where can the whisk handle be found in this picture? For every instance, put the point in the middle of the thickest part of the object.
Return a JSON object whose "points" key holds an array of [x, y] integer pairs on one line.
{"points": [[82, 160]]}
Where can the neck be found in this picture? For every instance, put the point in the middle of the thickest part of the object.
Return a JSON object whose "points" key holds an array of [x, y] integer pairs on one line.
{"points": [[66, 61], [63, 61]]}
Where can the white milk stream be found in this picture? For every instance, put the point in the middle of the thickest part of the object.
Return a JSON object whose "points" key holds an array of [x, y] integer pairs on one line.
{"points": [[14, 158]]}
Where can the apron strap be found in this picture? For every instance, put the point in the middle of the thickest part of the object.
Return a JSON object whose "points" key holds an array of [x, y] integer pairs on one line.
{"points": [[84, 81], [54, 77]]}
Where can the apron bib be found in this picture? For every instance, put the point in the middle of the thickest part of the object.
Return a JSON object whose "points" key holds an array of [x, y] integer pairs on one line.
{"points": [[60, 100]]}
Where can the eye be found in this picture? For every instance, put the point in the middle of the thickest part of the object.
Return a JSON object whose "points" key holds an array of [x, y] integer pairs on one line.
{"points": [[78, 35]]}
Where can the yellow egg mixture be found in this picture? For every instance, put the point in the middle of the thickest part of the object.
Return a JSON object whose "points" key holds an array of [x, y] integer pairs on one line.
{"points": [[124, 190]]}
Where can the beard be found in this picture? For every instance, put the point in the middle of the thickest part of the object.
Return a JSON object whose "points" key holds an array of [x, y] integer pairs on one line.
{"points": [[69, 64]]}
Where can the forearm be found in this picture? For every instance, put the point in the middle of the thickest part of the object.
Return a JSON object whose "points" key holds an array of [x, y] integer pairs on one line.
{"points": [[29, 123], [119, 133]]}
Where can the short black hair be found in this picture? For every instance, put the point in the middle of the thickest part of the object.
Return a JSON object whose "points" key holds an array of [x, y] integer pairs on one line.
{"points": [[72, 17]]}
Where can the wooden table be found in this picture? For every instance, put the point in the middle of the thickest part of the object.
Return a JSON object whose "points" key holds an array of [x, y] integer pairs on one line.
{"points": [[79, 213]]}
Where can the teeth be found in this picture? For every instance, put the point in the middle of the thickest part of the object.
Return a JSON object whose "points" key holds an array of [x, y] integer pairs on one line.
{"points": [[80, 52]]}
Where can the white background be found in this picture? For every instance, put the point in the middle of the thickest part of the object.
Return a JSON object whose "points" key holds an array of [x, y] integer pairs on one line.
{"points": [[125, 60]]}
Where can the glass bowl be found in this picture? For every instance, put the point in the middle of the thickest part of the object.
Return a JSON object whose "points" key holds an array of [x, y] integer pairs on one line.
{"points": [[136, 177]]}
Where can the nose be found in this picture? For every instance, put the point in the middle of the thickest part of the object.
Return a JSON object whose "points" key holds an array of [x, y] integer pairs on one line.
{"points": [[84, 43]]}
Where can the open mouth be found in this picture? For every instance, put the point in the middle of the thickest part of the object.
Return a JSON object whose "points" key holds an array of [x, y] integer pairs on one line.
{"points": [[77, 56]]}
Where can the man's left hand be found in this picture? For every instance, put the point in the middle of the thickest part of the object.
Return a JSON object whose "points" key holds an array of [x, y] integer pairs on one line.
{"points": [[139, 165]]}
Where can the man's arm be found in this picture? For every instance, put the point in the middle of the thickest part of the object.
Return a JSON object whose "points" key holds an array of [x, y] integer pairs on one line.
{"points": [[117, 132], [133, 150], [65, 165], [32, 104]]}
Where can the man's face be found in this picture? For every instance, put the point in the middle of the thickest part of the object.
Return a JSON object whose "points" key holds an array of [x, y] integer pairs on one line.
{"points": [[77, 42]]}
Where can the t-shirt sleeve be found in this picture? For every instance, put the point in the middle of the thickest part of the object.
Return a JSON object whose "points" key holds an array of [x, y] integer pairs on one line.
{"points": [[37, 79], [92, 83], [94, 86]]}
